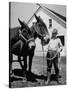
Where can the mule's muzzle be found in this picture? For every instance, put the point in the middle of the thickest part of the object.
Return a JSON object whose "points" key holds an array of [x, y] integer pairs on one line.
{"points": [[45, 40], [31, 45]]}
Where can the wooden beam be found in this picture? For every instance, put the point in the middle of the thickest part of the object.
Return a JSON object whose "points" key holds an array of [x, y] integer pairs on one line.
{"points": [[33, 15]]}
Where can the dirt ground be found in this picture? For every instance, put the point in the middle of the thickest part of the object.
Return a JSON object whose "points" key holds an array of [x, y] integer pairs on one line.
{"points": [[38, 75]]}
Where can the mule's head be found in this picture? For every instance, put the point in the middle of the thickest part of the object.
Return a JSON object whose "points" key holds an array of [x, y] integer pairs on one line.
{"points": [[26, 34], [40, 30]]}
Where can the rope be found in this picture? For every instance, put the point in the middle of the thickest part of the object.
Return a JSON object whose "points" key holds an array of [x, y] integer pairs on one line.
{"points": [[52, 57], [43, 59], [59, 57]]}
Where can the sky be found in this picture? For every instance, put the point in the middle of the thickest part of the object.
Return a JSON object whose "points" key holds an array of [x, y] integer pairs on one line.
{"points": [[24, 11]]}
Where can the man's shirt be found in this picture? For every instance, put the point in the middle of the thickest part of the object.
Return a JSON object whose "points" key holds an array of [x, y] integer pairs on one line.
{"points": [[54, 44]]}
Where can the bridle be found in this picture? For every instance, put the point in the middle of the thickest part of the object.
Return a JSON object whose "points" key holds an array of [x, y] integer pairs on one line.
{"points": [[25, 38]]}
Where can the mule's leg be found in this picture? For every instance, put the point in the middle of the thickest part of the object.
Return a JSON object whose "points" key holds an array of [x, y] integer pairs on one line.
{"points": [[25, 63], [10, 63], [30, 60], [10, 69], [19, 59]]}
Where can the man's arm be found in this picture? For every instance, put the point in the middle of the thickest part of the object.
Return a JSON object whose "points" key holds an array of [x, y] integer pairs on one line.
{"points": [[59, 45]]}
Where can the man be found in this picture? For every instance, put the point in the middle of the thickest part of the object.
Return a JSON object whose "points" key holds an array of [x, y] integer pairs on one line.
{"points": [[54, 48]]}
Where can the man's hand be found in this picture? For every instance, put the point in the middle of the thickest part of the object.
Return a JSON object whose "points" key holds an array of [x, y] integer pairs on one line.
{"points": [[59, 50]]}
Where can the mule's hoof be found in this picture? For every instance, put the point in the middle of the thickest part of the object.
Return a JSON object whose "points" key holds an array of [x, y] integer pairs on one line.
{"points": [[47, 82], [24, 79], [59, 81]]}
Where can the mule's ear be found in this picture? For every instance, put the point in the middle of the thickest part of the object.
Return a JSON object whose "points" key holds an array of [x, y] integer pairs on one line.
{"points": [[35, 15], [37, 18], [21, 23]]}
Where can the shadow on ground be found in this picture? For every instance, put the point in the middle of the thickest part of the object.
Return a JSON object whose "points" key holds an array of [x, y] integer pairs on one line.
{"points": [[30, 76]]}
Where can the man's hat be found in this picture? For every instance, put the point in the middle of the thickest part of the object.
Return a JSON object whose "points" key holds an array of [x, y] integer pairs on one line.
{"points": [[55, 31]]}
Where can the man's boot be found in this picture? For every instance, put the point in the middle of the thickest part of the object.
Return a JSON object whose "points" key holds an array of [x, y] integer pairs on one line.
{"points": [[48, 78]]}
